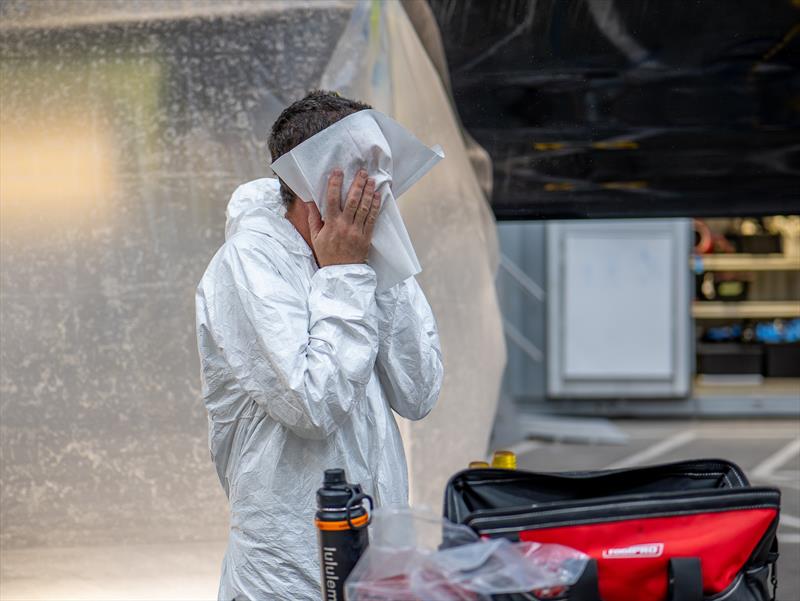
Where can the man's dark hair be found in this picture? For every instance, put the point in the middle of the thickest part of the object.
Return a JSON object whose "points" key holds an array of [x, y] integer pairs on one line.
{"points": [[304, 118]]}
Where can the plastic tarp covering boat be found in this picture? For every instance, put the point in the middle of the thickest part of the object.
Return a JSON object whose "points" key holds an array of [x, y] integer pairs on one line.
{"points": [[125, 127]]}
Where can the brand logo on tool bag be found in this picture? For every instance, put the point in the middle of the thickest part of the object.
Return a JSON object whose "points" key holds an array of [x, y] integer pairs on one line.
{"points": [[645, 550]]}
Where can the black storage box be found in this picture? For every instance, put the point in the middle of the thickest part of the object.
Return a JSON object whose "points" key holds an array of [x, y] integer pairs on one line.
{"points": [[782, 360], [730, 358], [729, 290], [757, 244]]}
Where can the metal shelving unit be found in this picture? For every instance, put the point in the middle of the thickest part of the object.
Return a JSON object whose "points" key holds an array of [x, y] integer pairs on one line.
{"points": [[759, 391], [745, 262], [745, 309]]}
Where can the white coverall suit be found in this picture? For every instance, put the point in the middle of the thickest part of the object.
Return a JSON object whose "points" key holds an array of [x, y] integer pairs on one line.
{"points": [[301, 367]]}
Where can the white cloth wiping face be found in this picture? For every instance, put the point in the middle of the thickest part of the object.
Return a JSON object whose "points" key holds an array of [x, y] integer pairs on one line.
{"points": [[391, 155]]}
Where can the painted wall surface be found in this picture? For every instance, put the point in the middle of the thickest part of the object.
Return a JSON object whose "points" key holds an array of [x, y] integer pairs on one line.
{"points": [[521, 283]]}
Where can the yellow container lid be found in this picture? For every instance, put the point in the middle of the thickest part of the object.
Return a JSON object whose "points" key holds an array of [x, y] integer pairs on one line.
{"points": [[478, 464], [504, 460]]}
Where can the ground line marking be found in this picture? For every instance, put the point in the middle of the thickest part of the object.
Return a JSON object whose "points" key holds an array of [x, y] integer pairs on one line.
{"points": [[789, 521], [524, 446], [765, 469], [656, 450]]}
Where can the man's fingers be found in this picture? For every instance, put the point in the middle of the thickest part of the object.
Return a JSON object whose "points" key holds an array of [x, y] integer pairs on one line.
{"points": [[314, 220], [354, 196], [372, 216], [366, 203], [333, 196]]}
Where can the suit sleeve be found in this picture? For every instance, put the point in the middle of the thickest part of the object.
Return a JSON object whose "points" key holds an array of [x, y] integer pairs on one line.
{"points": [[409, 355], [305, 361]]}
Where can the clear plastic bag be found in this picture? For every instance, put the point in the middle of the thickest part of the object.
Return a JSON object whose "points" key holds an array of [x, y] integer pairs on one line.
{"points": [[417, 556]]}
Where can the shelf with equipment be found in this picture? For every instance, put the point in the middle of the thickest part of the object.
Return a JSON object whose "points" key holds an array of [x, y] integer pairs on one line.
{"points": [[747, 307]]}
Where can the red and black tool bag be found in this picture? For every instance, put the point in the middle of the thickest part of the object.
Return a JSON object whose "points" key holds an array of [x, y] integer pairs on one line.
{"points": [[688, 531]]}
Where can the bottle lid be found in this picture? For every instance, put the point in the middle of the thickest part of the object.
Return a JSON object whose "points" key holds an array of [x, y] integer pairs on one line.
{"points": [[504, 460], [478, 464], [335, 491], [334, 477]]}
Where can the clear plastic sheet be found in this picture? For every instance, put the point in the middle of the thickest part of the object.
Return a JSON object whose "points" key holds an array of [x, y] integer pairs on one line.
{"points": [[125, 128], [380, 59], [417, 556]]}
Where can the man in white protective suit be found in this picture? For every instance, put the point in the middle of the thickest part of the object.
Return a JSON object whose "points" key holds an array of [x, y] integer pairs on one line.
{"points": [[303, 363]]}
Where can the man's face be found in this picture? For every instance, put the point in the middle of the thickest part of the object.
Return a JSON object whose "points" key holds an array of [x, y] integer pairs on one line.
{"points": [[297, 214]]}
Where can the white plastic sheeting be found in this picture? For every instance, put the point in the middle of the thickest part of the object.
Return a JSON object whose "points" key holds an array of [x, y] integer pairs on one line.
{"points": [[454, 235], [125, 126]]}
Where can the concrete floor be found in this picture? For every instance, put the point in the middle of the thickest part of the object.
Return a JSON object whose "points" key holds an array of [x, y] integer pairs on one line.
{"points": [[163, 572], [768, 450]]}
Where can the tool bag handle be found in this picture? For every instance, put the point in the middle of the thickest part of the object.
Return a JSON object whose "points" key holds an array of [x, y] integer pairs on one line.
{"points": [[685, 581], [588, 586]]}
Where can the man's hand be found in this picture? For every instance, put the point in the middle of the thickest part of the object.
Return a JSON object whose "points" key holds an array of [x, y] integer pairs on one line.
{"points": [[345, 235]]}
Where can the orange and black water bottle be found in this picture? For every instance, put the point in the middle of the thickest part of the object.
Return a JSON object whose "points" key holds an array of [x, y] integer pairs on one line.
{"points": [[342, 522]]}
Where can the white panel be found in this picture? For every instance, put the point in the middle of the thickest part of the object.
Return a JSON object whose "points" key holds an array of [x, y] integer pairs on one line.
{"points": [[618, 317]]}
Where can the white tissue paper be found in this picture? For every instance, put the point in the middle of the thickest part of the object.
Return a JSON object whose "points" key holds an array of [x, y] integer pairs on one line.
{"points": [[391, 155]]}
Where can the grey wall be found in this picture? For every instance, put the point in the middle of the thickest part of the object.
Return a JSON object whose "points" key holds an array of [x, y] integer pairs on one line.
{"points": [[523, 243]]}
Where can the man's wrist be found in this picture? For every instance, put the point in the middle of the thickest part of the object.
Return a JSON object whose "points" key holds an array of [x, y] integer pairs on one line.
{"points": [[342, 262]]}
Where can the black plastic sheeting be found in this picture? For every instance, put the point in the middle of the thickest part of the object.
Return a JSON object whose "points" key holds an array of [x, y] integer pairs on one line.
{"points": [[604, 108]]}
